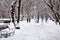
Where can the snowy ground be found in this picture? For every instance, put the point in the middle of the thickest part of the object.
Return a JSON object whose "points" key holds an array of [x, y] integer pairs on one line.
{"points": [[36, 31]]}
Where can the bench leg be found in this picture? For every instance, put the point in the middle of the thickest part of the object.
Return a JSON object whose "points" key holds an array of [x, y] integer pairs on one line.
{"points": [[6, 35], [0, 34]]}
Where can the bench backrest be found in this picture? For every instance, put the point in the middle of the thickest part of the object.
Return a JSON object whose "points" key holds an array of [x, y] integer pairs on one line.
{"points": [[3, 27]]}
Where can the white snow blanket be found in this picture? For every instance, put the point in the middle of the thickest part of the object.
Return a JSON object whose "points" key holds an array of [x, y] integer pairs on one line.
{"points": [[36, 31]]}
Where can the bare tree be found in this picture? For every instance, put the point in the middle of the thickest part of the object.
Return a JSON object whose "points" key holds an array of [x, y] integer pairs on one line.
{"points": [[28, 7], [13, 10], [6, 6], [55, 9], [19, 11], [22, 11]]}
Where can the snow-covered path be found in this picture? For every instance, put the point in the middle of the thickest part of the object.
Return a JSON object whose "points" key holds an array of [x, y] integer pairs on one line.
{"points": [[36, 31]]}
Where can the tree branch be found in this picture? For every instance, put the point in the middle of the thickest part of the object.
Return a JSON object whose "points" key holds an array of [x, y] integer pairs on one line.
{"points": [[55, 12]]}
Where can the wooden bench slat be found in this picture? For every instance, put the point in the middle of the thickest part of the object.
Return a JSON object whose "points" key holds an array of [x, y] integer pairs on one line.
{"points": [[3, 27]]}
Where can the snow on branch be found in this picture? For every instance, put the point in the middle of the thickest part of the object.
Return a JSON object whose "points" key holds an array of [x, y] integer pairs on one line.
{"points": [[55, 12]]}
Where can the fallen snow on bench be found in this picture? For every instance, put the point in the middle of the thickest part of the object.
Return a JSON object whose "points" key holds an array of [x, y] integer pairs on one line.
{"points": [[36, 31]]}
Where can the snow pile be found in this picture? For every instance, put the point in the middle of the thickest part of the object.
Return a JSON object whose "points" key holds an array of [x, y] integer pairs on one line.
{"points": [[11, 25]]}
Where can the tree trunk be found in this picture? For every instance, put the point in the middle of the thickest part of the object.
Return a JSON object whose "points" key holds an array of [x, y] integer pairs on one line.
{"points": [[22, 12], [19, 11]]}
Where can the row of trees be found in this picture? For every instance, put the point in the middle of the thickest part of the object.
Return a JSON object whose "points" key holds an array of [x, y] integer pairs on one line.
{"points": [[43, 9]]}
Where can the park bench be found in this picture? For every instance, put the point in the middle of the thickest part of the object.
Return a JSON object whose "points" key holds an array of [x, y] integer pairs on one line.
{"points": [[6, 31]]}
